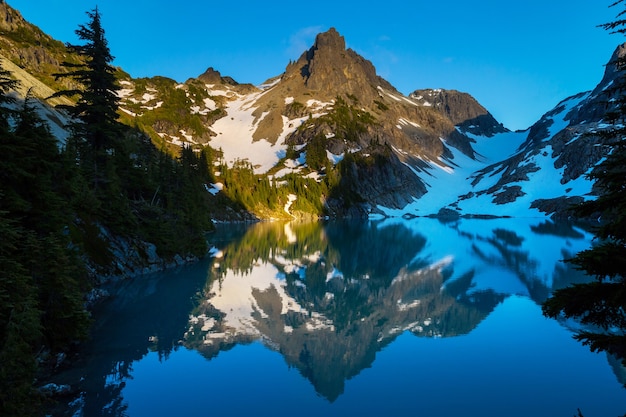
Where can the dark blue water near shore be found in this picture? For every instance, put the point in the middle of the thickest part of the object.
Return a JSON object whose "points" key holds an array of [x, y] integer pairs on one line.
{"points": [[397, 317]]}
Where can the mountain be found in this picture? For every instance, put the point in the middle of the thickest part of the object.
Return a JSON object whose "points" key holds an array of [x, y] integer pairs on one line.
{"points": [[360, 146], [462, 109], [543, 170], [332, 98], [438, 151], [31, 49]]}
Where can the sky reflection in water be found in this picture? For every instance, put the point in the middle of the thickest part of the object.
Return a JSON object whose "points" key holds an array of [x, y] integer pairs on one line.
{"points": [[395, 317]]}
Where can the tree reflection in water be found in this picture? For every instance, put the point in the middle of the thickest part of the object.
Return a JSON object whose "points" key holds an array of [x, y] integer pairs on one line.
{"points": [[328, 296]]}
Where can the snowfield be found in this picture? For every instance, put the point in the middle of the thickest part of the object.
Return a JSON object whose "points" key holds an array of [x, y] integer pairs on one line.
{"points": [[447, 183], [234, 137]]}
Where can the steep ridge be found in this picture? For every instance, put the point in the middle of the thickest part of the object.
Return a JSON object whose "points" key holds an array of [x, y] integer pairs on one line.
{"points": [[548, 171], [327, 72], [391, 154], [31, 49], [462, 110]]}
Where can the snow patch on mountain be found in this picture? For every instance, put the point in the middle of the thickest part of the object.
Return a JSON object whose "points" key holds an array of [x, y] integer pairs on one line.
{"points": [[449, 179], [234, 137], [510, 172], [558, 119]]}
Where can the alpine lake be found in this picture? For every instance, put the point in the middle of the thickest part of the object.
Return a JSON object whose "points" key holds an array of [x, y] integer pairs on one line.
{"points": [[390, 317]]}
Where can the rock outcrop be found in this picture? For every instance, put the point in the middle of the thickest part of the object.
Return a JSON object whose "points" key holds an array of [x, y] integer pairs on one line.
{"points": [[561, 148], [329, 69], [32, 50], [462, 109]]}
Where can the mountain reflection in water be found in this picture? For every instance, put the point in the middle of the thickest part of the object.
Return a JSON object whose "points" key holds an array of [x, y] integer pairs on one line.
{"points": [[327, 296]]}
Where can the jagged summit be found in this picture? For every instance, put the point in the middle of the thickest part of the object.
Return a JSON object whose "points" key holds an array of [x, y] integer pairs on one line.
{"points": [[10, 19], [330, 39], [212, 76], [596, 106], [329, 69]]}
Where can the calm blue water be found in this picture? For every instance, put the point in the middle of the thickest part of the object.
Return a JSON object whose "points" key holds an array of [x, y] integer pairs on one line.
{"points": [[400, 317]]}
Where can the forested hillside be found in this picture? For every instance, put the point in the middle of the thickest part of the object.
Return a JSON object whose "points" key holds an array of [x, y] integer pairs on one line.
{"points": [[70, 212]]}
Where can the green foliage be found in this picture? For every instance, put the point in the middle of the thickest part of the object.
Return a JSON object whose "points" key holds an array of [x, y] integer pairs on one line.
{"points": [[602, 303], [351, 168], [316, 157], [174, 112], [96, 133], [7, 84], [240, 182], [291, 152], [24, 44], [296, 109], [127, 186], [167, 201], [347, 121], [60, 207], [20, 326], [267, 198], [381, 106], [43, 279], [310, 193], [30, 35]]}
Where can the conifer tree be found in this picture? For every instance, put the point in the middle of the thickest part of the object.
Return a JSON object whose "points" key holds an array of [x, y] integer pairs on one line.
{"points": [[602, 302], [54, 266], [20, 327], [40, 291], [97, 129], [7, 84], [19, 316]]}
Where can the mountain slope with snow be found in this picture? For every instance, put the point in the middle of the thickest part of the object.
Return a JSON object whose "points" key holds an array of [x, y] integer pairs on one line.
{"points": [[331, 119], [442, 150], [537, 172]]}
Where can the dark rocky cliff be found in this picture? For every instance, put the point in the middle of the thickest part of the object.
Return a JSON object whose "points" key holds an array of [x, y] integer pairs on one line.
{"points": [[462, 109]]}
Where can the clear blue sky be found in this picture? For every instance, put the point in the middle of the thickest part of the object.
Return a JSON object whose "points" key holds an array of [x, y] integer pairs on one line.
{"points": [[518, 59]]}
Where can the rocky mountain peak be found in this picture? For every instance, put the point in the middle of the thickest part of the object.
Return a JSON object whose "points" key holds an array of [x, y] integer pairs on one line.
{"points": [[330, 39], [595, 107], [212, 76], [329, 69], [612, 72], [29, 48]]}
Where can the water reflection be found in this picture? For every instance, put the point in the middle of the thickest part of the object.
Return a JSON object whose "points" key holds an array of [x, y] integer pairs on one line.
{"points": [[326, 296], [144, 315]]}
